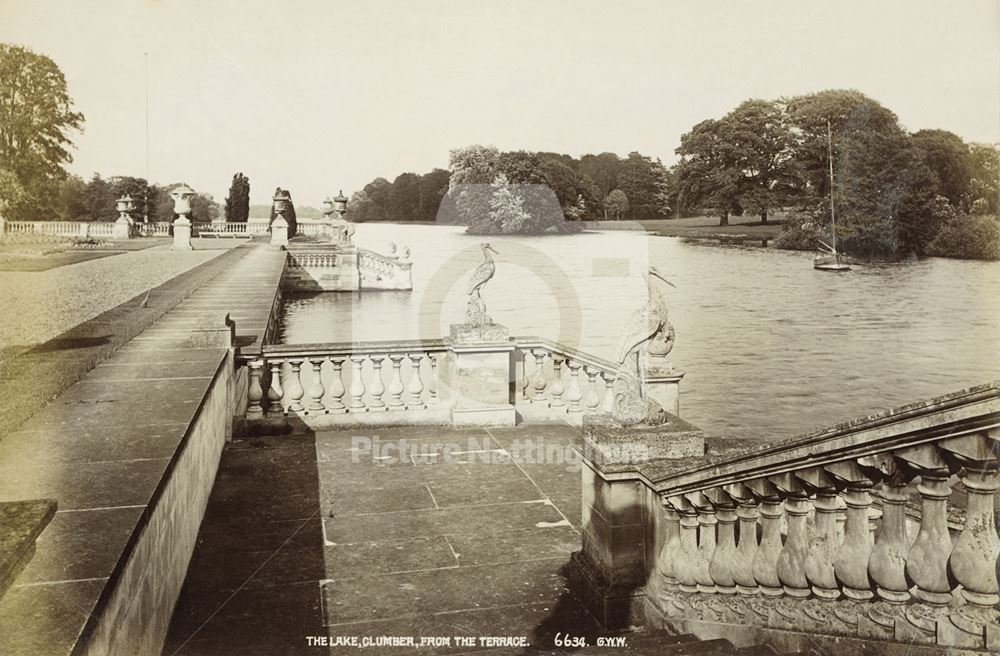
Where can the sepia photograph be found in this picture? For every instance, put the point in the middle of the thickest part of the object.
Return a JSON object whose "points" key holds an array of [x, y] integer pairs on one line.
{"points": [[499, 327]]}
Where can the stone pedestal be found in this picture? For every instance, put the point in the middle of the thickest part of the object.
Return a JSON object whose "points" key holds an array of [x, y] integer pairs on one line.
{"points": [[477, 371], [182, 234], [605, 442], [279, 232], [620, 513], [122, 229], [662, 383]]}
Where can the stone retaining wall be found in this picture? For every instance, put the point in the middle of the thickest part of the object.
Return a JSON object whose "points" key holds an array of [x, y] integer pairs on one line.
{"points": [[139, 604]]}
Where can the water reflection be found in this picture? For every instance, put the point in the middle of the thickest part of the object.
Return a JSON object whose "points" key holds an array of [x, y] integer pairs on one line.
{"points": [[771, 347]]}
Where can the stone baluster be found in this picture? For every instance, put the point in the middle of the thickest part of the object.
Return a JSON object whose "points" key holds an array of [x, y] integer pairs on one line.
{"points": [[593, 398], [765, 561], [316, 389], [823, 543], [274, 392], [792, 561], [665, 563], [377, 388], [255, 392], [357, 384], [608, 399], [525, 379], [294, 389], [573, 393], [416, 386], [557, 389], [973, 561], [686, 562], [851, 564], [432, 384], [927, 559], [724, 558], [746, 549], [396, 388], [887, 563], [337, 391], [538, 376], [874, 520], [707, 522]]}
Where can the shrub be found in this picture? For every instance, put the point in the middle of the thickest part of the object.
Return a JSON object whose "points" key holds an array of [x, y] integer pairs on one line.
{"points": [[801, 233], [968, 237]]}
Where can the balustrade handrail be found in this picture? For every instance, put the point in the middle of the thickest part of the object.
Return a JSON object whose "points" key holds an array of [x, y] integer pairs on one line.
{"points": [[364, 252], [529, 342], [968, 411], [348, 348]]}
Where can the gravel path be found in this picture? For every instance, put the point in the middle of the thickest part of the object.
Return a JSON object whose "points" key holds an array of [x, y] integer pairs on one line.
{"points": [[36, 306]]}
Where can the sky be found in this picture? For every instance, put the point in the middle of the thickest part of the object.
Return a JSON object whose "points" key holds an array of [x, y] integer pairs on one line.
{"points": [[318, 96]]}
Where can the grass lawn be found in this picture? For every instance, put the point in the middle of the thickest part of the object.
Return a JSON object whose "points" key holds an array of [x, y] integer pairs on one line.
{"points": [[700, 227], [51, 260]]}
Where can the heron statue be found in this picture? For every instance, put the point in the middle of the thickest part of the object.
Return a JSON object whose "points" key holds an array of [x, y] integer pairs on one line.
{"points": [[475, 312], [648, 331]]}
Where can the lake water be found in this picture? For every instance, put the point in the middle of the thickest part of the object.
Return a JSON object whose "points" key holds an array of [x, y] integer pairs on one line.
{"points": [[771, 347]]}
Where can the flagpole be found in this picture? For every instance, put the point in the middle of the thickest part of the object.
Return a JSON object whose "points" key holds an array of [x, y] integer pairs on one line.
{"points": [[145, 55]]}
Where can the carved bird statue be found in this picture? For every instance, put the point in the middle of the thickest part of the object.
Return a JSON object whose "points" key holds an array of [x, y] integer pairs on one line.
{"points": [[647, 320], [476, 312], [645, 324]]}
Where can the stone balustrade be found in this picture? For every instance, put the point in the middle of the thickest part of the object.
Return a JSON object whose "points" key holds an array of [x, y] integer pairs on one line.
{"points": [[360, 380], [310, 229], [26, 230], [313, 382], [789, 537], [155, 229], [553, 379], [379, 271], [306, 260], [230, 229]]}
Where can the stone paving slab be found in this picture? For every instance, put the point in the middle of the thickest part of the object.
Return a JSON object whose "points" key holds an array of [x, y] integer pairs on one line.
{"points": [[305, 536]]}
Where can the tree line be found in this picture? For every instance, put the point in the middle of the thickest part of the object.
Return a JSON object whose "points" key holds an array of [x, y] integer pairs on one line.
{"points": [[893, 191], [582, 186]]}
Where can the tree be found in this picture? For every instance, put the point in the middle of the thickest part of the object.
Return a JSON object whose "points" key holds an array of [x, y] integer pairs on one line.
{"points": [[99, 200], [603, 169], [472, 168], [705, 174], [433, 187], [949, 159], [616, 204], [403, 199], [360, 208], [378, 193], [472, 165], [743, 161], [204, 209], [507, 212], [643, 180], [884, 193], [138, 189], [36, 118], [985, 173], [72, 190], [238, 200]]}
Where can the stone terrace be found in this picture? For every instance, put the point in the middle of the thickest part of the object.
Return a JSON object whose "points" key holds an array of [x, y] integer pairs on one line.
{"points": [[305, 536]]}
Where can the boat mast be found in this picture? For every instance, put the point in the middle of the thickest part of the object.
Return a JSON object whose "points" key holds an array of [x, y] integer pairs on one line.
{"points": [[833, 214]]}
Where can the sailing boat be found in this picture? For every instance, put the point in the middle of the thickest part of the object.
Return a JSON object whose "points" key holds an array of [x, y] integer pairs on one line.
{"points": [[829, 259]]}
